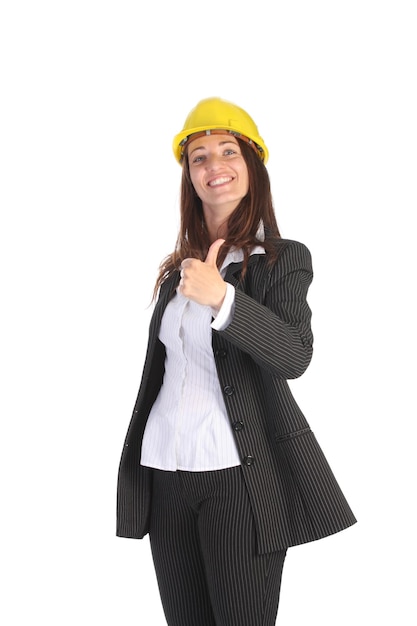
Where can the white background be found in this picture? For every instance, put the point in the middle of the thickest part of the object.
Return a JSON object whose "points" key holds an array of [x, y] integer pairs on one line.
{"points": [[92, 94]]}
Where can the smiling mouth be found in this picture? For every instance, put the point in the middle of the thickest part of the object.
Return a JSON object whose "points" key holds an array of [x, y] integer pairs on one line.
{"points": [[220, 181]]}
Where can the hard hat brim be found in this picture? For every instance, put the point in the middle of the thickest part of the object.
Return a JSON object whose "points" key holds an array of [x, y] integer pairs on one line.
{"points": [[178, 142]]}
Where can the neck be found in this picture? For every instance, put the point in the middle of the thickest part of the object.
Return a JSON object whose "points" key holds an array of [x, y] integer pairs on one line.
{"points": [[216, 221]]}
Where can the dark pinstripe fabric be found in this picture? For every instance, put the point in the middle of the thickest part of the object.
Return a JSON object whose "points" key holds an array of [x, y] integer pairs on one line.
{"points": [[203, 542], [294, 495]]}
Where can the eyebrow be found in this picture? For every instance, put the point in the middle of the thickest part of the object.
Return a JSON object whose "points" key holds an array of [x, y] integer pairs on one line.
{"points": [[221, 143]]}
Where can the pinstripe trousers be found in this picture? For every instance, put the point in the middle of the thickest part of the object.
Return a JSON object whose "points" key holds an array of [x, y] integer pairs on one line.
{"points": [[203, 544]]}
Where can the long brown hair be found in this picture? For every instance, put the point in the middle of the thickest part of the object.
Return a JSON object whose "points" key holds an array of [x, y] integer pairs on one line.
{"points": [[242, 226]]}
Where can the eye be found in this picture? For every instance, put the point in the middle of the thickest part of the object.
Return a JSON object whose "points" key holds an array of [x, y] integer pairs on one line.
{"points": [[229, 151], [198, 159]]}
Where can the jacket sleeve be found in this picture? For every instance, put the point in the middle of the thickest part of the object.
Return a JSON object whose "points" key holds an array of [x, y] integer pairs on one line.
{"points": [[276, 332]]}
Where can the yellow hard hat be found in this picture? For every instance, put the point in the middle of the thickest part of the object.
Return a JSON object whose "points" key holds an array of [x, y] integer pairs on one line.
{"points": [[217, 114]]}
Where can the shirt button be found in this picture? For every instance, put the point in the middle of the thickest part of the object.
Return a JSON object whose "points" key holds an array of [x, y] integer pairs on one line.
{"points": [[249, 460], [228, 390], [238, 426]]}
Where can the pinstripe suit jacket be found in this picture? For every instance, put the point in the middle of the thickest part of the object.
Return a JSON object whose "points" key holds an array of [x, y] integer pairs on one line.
{"points": [[294, 495]]}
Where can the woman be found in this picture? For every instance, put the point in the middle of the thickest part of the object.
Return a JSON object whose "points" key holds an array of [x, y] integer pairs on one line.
{"points": [[220, 465]]}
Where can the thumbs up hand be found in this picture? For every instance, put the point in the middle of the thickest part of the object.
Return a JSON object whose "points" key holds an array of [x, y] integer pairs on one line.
{"points": [[201, 280]]}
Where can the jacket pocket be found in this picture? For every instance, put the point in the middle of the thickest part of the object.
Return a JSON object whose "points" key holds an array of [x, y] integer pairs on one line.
{"points": [[292, 435]]}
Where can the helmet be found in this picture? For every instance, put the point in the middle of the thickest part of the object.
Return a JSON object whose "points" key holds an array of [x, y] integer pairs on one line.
{"points": [[218, 114]]}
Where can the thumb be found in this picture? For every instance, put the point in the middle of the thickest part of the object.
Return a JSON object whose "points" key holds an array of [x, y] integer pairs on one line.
{"points": [[211, 257]]}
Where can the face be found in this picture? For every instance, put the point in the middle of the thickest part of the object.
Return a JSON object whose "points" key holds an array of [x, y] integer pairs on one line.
{"points": [[218, 172]]}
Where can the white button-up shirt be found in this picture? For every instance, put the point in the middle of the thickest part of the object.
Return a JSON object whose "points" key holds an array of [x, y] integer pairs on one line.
{"points": [[188, 427]]}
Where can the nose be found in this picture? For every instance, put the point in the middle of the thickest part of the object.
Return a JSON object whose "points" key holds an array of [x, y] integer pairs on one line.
{"points": [[213, 161]]}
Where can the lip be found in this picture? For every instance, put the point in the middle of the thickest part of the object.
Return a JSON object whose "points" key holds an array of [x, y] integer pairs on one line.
{"points": [[219, 181]]}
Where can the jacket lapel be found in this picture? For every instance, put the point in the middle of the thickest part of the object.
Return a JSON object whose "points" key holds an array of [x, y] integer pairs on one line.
{"points": [[234, 270], [165, 295]]}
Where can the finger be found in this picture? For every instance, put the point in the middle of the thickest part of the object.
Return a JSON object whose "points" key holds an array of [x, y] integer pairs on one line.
{"points": [[211, 258]]}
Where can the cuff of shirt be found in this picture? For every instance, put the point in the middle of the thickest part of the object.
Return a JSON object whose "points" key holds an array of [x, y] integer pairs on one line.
{"points": [[225, 314]]}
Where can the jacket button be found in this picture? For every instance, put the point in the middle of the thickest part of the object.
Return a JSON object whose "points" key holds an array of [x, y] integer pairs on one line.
{"points": [[228, 390], [249, 460], [238, 426], [221, 353]]}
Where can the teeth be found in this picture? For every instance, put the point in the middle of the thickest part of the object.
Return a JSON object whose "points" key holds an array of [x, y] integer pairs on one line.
{"points": [[220, 181]]}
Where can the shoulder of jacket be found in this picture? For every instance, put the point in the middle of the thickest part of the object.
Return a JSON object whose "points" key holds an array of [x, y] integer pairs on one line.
{"points": [[287, 251], [291, 255], [291, 244], [290, 251]]}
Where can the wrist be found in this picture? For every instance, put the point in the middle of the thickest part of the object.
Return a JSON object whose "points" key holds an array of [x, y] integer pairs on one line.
{"points": [[217, 305]]}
